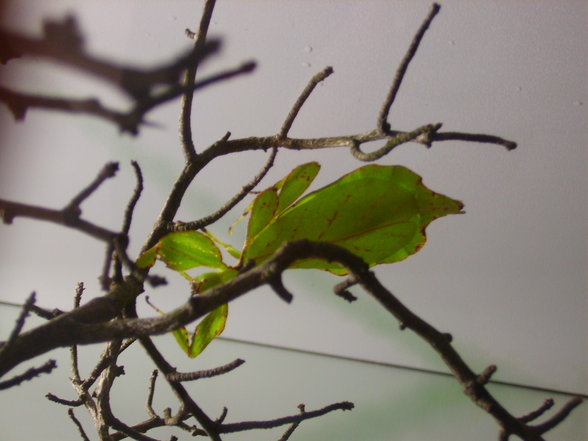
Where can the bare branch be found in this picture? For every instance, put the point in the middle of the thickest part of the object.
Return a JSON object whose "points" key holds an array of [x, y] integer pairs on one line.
{"points": [[128, 121], [249, 425], [74, 349], [128, 217], [245, 190], [382, 123], [207, 424], [31, 373], [71, 414], [559, 416], [20, 321], [107, 172], [151, 393], [548, 404], [189, 78], [58, 400], [283, 133], [69, 216], [424, 133], [474, 137], [286, 436], [191, 376], [62, 42], [349, 141]]}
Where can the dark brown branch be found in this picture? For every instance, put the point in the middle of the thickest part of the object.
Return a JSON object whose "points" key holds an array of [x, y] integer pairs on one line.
{"points": [[107, 172], [382, 123], [63, 401], [548, 404], [77, 423], [245, 190], [19, 103], [249, 425], [20, 321], [191, 376], [62, 42], [286, 436], [190, 77], [74, 349], [31, 373], [63, 327], [265, 273], [474, 137], [175, 91], [69, 216], [41, 312], [128, 217], [9, 210], [128, 121], [561, 415]]}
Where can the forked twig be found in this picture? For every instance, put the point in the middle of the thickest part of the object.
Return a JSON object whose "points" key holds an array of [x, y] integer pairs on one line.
{"points": [[31, 373], [229, 205]]}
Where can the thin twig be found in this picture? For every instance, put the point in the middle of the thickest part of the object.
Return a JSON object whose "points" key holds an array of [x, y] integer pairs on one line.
{"points": [[394, 141], [20, 321], [151, 393], [127, 122], [41, 312], [485, 376], [286, 436], [382, 123], [342, 289], [561, 415], [128, 216], [245, 190], [58, 400], [283, 133], [31, 373], [474, 137], [62, 42], [107, 172], [208, 373], [173, 92], [547, 404], [269, 424], [189, 78], [207, 424], [71, 414], [74, 349], [10, 210]]}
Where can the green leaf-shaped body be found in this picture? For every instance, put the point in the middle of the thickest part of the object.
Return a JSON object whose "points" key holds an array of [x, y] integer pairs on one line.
{"points": [[184, 250], [377, 212]]}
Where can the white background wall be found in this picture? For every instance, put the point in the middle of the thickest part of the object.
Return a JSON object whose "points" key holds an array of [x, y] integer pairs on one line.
{"points": [[507, 279]]}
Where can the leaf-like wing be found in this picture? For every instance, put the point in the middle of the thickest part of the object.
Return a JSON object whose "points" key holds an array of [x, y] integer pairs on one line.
{"points": [[184, 250], [263, 211], [377, 212], [292, 186], [209, 328]]}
